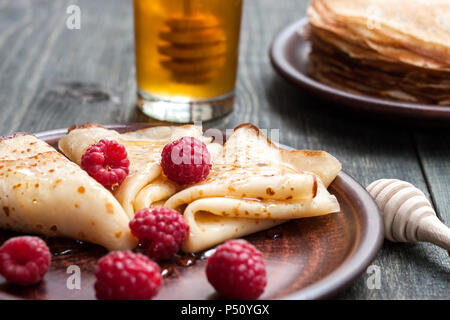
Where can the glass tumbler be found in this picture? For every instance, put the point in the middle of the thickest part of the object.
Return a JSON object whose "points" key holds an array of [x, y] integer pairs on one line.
{"points": [[186, 57]]}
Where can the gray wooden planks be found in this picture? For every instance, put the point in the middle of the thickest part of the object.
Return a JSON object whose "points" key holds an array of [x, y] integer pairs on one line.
{"points": [[45, 63], [52, 77]]}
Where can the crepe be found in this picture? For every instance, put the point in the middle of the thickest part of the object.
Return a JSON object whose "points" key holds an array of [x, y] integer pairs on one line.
{"points": [[393, 49], [252, 186], [391, 28], [42, 192], [145, 185]]}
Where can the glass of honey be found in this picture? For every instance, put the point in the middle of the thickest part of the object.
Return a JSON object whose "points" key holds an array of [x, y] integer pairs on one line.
{"points": [[186, 57]]}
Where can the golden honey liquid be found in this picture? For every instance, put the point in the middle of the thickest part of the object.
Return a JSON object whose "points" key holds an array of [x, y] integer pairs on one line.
{"points": [[187, 49]]}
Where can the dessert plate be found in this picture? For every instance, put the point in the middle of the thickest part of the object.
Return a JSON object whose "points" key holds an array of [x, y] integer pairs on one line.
{"points": [[289, 55], [308, 258]]}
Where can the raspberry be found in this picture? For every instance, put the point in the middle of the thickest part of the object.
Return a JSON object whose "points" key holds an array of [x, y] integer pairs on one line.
{"points": [[124, 275], [186, 160], [24, 260], [161, 231], [107, 162], [237, 271]]}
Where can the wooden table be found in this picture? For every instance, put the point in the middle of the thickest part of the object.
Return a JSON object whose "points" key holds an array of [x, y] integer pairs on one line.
{"points": [[53, 77]]}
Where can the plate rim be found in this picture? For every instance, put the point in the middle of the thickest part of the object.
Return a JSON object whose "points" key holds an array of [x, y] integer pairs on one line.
{"points": [[277, 56], [370, 242]]}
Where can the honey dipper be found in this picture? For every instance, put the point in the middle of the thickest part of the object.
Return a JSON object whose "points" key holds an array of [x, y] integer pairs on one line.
{"points": [[408, 215], [193, 45]]}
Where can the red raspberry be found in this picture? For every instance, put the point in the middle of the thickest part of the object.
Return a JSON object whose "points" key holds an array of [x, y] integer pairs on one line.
{"points": [[160, 231], [24, 260], [186, 160], [107, 162], [124, 275], [237, 271]]}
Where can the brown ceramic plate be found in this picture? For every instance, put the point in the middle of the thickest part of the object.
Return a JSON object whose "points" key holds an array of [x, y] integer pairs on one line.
{"points": [[289, 54], [306, 259]]}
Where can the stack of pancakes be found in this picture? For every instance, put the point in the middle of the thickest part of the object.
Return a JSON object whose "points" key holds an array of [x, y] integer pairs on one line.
{"points": [[393, 49]]}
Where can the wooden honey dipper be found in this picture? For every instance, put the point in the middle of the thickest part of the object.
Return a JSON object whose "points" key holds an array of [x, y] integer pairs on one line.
{"points": [[193, 45], [408, 215]]}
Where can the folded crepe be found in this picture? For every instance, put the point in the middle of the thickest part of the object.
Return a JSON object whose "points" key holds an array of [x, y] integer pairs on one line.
{"points": [[145, 185], [43, 192], [394, 49], [254, 185]]}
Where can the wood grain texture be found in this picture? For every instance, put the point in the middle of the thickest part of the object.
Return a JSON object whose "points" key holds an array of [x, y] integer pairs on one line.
{"points": [[52, 77]]}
